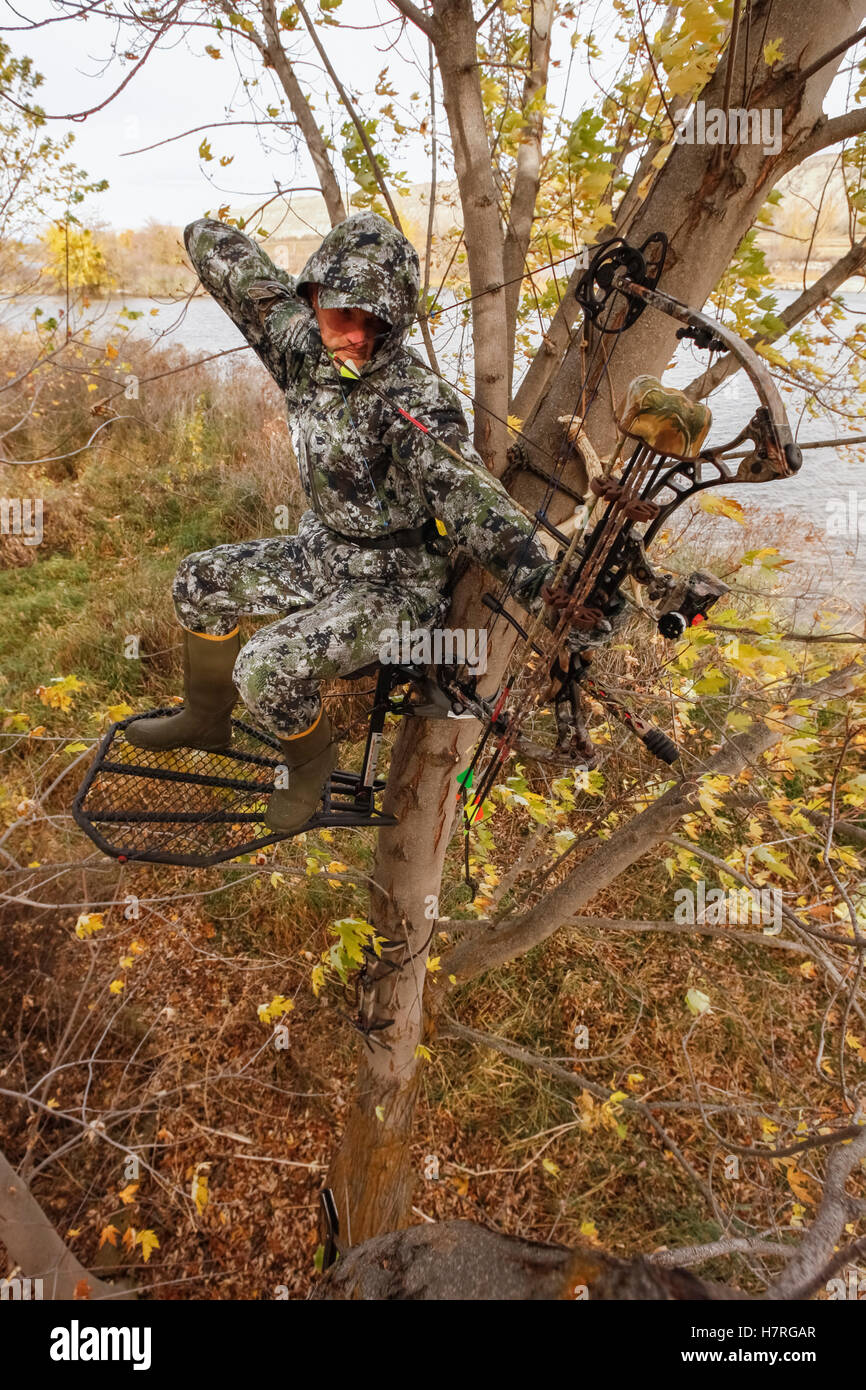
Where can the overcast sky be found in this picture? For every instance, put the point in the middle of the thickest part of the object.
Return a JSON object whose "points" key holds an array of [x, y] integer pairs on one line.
{"points": [[180, 88]]}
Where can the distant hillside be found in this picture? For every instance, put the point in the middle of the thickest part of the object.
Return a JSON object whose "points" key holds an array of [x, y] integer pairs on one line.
{"points": [[151, 261], [815, 188]]}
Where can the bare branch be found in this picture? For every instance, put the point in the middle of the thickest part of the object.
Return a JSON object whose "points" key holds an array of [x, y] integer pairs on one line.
{"points": [[409, 11], [356, 120], [840, 48], [824, 134], [726, 365], [733, 1245], [823, 1235], [211, 125]]}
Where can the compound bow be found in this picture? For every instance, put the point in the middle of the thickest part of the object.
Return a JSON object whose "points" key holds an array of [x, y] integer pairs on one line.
{"points": [[630, 502]]}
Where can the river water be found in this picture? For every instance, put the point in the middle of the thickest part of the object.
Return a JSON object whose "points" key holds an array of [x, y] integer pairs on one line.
{"points": [[821, 514]]}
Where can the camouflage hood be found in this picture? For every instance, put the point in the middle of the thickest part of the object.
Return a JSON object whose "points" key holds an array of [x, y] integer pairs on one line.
{"points": [[365, 263]]}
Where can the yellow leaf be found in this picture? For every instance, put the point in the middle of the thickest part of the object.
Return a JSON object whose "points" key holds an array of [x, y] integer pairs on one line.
{"points": [[423, 1053], [109, 1234], [808, 970], [58, 694], [796, 1182], [148, 1242], [550, 1167], [773, 52], [380, 1113], [77, 747], [117, 712], [199, 1191], [434, 963], [589, 1231], [697, 1001], [116, 987], [723, 506], [127, 1194], [279, 1005], [88, 923]]}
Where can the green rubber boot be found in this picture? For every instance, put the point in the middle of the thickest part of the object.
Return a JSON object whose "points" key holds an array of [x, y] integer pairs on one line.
{"points": [[311, 758], [205, 719]]}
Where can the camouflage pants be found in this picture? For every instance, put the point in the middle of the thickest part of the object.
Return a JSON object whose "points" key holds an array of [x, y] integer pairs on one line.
{"points": [[333, 602]]}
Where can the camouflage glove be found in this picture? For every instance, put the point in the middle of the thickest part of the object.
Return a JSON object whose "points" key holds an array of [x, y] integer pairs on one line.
{"points": [[529, 586]]}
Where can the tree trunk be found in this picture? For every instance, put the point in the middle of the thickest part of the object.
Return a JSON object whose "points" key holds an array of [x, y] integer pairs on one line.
{"points": [[36, 1250], [370, 1175], [460, 1260], [705, 198]]}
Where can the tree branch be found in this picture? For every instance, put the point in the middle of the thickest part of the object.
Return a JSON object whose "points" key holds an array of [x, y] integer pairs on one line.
{"points": [[626, 846], [803, 77], [726, 365], [411, 12], [527, 174], [733, 1245], [272, 48], [823, 1235], [35, 1248], [823, 134], [356, 120]]}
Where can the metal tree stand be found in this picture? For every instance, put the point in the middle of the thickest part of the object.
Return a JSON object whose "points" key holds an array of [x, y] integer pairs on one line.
{"points": [[196, 809]]}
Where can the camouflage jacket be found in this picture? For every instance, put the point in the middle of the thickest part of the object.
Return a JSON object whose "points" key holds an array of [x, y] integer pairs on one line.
{"points": [[365, 469]]}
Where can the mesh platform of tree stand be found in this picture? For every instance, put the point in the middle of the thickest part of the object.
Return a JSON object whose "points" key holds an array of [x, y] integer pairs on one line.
{"points": [[188, 807]]}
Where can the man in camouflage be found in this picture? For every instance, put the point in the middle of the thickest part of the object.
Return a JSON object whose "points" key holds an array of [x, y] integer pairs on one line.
{"points": [[369, 553]]}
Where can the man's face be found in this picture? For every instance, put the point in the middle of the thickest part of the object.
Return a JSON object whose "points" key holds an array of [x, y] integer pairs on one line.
{"points": [[350, 334]]}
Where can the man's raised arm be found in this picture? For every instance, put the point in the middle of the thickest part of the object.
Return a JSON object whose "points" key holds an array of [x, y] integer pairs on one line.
{"points": [[258, 296], [480, 517]]}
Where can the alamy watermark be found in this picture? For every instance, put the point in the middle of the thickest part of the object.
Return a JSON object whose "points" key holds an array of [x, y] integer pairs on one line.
{"points": [[731, 907], [436, 646], [22, 516], [712, 125], [846, 516], [21, 1289]]}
